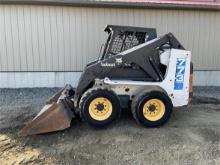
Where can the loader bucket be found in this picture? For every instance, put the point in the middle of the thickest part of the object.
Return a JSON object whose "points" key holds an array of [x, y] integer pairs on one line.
{"points": [[54, 116]]}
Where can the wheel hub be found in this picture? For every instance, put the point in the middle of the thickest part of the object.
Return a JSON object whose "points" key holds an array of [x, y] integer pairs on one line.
{"points": [[100, 108], [153, 109]]}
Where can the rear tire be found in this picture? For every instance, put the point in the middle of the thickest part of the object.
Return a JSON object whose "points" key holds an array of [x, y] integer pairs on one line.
{"points": [[99, 107], [152, 109]]}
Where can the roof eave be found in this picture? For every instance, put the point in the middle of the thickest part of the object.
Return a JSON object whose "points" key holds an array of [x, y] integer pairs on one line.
{"points": [[114, 4]]}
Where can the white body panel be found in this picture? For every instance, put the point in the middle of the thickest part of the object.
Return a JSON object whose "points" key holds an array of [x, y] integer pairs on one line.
{"points": [[175, 83]]}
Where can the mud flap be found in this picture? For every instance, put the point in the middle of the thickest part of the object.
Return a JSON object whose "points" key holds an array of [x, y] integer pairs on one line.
{"points": [[55, 116]]}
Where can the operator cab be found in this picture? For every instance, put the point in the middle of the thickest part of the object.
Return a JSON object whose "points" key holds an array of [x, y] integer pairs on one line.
{"points": [[122, 38]]}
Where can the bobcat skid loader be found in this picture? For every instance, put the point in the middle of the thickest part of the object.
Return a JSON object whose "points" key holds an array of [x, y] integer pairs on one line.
{"points": [[137, 70]]}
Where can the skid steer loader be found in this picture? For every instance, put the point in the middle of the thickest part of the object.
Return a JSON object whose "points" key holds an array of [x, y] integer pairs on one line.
{"points": [[136, 70]]}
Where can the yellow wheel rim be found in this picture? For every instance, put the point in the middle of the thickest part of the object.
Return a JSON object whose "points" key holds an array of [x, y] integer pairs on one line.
{"points": [[100, 108], [154, 109]]}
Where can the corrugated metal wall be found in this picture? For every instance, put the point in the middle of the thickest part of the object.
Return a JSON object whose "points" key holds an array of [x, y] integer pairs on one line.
{"points": [[49, 38]]}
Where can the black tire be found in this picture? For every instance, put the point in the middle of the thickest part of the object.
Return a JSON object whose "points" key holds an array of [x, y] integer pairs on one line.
{"points": [[138, 104], [92, 94]]}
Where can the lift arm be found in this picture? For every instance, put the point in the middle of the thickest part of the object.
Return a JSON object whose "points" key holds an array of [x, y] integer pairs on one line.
{"points": [[141, 55]]}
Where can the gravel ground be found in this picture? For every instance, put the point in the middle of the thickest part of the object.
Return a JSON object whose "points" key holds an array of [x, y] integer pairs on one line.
{"points": [[192, 136]]}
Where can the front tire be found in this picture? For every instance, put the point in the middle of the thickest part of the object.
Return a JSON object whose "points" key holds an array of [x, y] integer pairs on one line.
{"points": [[99, 107], [152, 109]]}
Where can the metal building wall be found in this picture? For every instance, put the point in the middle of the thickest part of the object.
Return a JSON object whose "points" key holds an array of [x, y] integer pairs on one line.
{"points": [[52, 38]]}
